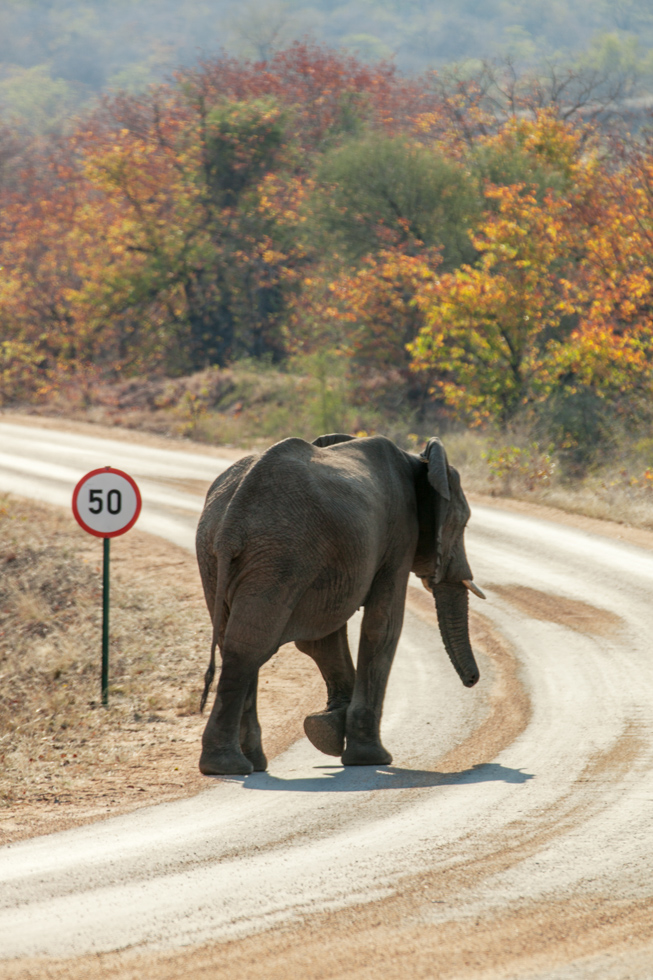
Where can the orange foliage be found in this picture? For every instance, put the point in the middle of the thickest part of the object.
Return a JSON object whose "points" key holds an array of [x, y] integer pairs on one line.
{"points": [[377, 310], [325, 89], [560, 295]]}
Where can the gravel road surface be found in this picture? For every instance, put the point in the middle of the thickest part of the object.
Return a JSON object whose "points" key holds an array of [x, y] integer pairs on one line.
{"points": [[529, 797]]}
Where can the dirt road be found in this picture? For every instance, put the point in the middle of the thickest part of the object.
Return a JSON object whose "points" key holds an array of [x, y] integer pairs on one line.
{"points": [[512, 836]]}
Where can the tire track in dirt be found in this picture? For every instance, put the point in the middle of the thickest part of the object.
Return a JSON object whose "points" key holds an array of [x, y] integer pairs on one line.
{"points": [[572, 613]]}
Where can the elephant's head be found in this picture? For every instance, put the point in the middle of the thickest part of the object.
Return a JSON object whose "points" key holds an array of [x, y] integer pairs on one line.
{"points": [[444, 567]]}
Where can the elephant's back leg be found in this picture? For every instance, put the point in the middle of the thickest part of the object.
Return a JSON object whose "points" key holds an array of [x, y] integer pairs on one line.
{"points": [[326, 729], [250, 730], [231, 740]]}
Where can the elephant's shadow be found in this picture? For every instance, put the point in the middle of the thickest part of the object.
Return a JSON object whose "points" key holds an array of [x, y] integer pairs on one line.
{"points": [[360, 778]]}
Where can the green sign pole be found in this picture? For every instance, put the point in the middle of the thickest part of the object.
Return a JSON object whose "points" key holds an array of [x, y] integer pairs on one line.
{"points": [[106, 503], [105, 623]]}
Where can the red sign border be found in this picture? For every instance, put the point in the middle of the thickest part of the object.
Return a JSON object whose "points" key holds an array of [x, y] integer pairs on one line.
{"points": [[80, 520]]}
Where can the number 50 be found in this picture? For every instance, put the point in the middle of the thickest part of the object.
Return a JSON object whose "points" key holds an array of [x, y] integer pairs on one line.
{"points": [[114, 501]]}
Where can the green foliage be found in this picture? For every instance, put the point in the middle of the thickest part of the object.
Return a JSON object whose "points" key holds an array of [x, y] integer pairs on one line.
{"points": [[32, 94], [18, 364], [236, 297], [242, 142], [367, 46], [582, 424], [618, 55], [378, 191], [509, 162], [327, 401]]}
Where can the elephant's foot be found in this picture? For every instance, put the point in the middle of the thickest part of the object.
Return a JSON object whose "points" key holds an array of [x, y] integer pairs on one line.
{"points": [[225, 762], [257, 757], [360, 753], [326, 730]]}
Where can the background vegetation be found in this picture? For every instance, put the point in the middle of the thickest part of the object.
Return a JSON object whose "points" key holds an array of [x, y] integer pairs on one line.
{"points": [[313, 241]]}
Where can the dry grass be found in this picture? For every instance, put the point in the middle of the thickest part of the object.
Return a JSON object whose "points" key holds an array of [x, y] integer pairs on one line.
{"points": [[65, 759], [249, 404], [618, 491], [606, 499]]}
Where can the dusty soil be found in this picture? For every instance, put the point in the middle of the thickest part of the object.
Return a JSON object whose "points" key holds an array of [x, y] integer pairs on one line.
{"points": [[67, 760], [298, 951]]}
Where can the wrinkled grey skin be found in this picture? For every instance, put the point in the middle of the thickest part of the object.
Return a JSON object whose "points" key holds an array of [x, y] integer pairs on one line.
{"points": [[290, 544]]}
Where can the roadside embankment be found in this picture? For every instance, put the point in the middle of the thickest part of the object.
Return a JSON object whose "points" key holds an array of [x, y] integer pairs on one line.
{"points": [[65, 759]]}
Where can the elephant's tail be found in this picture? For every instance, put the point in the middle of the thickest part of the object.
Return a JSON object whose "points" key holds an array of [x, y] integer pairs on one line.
{"points": [[218, 612]]}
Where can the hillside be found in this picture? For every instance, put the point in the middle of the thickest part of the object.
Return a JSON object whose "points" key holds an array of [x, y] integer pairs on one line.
{"points": [[57, 56]]}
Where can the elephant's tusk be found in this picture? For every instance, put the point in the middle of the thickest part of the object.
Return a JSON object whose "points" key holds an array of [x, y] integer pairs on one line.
{"points": [[425, 583], [467, 582]]}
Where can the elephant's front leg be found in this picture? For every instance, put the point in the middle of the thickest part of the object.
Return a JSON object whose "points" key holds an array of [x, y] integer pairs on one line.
{"points": [[326, 729], [380, 631], [250, 730]]}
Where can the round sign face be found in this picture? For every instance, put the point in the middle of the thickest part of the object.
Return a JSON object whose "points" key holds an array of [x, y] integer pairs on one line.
{"points": [[106, 502]]}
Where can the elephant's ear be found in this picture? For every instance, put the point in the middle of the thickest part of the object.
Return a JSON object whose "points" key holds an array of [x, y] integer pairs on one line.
{"points": [[323, 441], [438, 477], [436, 458]]}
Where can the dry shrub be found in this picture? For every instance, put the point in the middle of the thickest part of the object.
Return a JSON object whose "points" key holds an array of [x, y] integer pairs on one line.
{"points": [[251, 403]]}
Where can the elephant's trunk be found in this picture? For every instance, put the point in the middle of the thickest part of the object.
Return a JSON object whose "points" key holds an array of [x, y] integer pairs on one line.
{"points": [[451, 602]]}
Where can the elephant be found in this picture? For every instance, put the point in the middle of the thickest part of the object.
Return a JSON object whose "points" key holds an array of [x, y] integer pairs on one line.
{"points": [[290, 544]]}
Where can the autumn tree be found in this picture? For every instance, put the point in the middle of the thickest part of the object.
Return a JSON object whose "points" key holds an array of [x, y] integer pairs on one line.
{"points": [[197, 227], [554, 321], [42, 264], [486, 325], [604, 368]]}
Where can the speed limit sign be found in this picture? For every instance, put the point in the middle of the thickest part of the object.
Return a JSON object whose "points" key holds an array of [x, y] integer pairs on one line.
{"points": [[106, 502]]}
